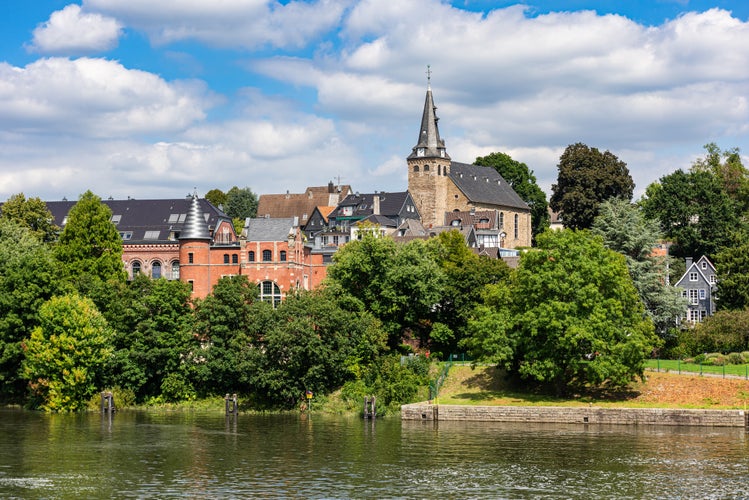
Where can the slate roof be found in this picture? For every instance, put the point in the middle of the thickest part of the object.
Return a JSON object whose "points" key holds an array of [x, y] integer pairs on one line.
{"points": [[380, 220], [473, 218], [429, 142], [485, 185], [146, 221], [391, 205], [268, 229]]}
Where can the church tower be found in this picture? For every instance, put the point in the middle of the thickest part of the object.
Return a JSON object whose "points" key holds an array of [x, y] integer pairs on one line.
{"points": [[429, 166]]}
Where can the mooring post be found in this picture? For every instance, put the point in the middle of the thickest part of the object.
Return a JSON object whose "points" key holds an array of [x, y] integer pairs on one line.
{"points": [[231, 406], [107, 402]]}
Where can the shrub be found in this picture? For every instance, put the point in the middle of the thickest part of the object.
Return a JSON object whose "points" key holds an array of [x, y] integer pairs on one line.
{"points": [[735, 358]]}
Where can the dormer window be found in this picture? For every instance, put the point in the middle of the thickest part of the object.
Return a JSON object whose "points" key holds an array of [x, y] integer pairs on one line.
{"points": [[455, 223]]}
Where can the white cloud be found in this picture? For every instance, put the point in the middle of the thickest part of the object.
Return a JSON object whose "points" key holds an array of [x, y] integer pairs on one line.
{"points": [[70, 31], [227, 23], [95, 97]]}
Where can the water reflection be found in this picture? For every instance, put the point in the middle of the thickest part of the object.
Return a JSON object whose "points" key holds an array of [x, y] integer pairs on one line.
{"points": [[167, 455]]}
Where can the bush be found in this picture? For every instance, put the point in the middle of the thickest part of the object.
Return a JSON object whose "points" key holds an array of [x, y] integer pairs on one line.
{"points": [[735, 358]]}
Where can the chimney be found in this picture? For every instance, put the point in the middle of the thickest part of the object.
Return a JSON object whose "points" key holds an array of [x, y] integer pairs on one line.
{"points": [[376, 204], [689, 262], [331, 187]]}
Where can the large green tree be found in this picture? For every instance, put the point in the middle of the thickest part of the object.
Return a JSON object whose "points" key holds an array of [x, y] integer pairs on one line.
{"points": [[693, 211], [732, 266], [90, 247], [523, 181], [588, 177], [624, 229], [577, 317], [217, 198], [66, 354], [28, 278], [727, 167], [31, 213], [241, 203]]}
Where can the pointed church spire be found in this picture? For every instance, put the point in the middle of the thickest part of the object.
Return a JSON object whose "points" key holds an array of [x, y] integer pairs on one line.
{"points": [[429, 144]]}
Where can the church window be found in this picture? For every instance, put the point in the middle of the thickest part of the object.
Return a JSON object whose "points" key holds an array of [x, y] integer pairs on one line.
{"points": [[439, 169], [517, 218], [156, 270], [416, 168], [267, 255], [426, 168]]}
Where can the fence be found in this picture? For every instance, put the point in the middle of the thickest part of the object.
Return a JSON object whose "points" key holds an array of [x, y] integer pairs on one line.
{"points": [[679, 366]]}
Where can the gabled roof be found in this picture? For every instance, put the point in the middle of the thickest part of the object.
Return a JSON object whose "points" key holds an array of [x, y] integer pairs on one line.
{"points": [[297, 205], [696, 267], [480, 219], [147, 221], [325, 212], [269, 229], [485, 185], [412, 227], [380, 220], [391, 205]]}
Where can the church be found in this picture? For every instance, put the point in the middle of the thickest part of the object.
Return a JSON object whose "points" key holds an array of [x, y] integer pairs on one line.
{"points": [[440, 186]]}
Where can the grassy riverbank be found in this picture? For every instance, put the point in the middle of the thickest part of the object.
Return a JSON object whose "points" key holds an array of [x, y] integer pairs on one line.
{"points": [[486, 386]]}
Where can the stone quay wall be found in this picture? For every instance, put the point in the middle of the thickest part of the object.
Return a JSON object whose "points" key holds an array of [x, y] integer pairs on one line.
{"points": [[577, 415]]}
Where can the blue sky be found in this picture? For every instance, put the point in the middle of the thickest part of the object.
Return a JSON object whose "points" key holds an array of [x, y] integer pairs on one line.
{"points": [[153, 99]]}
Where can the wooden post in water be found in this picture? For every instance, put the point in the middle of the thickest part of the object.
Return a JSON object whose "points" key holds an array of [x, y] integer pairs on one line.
{"points": [[230, 404], [370, 408], [107, 402]]}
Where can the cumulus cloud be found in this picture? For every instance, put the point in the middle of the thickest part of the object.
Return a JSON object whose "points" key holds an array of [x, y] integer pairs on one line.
{"points": [[227, 23], [95, 97], [71, 31]]}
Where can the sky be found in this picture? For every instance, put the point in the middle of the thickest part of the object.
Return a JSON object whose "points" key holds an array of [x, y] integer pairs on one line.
{"points": [[157, 99]]}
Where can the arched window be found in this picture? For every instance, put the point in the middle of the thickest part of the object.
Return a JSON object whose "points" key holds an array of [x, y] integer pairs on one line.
{"points": [[439, 169], [267, 255], [426, 168], [156, 270], [416, 168], [234, 258], [226, 258], [283, 255], [251, 256], [517, 218], [175, 270], [269, 292], [136, 268]]}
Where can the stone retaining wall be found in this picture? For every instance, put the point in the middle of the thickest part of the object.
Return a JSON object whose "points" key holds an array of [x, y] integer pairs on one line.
{"points": [[577, 415]]}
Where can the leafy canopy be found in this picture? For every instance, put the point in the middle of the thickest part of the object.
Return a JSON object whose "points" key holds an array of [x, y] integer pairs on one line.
{"points": [[31, 213]]}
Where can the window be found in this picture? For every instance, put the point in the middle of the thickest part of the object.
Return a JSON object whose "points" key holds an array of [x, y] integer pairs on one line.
{"points": [[156, 270], [269, 292], [173, 218], [694, 316], [190, 258], [116, 219], [175, 270], [251, 256], [283, 255], [704, 265], [426, 168], [439, 169], [693, 297], [692, 276], [684, 294], [136, 268], [703, 295], [126, 235], [416, 168], [226, 258], [517, 218], [501, 220], [712, 279], [234, 258], [267, 255], [151, 235], [191, 284]]}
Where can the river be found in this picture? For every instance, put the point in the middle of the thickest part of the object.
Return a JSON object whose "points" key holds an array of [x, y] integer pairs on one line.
{"points": [[200, 455]]}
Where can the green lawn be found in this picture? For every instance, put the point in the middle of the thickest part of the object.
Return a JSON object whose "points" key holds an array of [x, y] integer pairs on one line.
{"points": [[676, 366]]}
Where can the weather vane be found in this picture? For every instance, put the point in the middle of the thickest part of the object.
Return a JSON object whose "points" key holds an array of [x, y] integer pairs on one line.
{"points": [[429, 75]]}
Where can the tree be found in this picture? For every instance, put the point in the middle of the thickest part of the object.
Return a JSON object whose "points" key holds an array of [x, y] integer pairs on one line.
{"points": [[66, 353], [28, 278], [726, 166], [587, 178], [577, 318], [522, 180], [732, 266], [90, 248], [216, 197], [489, 339], [466, 276], [151, 336], [31, 213], [625, 230], [241, 203], [693, 210]]}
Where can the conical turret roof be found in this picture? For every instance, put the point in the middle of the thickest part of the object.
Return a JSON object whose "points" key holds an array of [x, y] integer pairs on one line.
{"points": [[196, 227], [429, 144]]}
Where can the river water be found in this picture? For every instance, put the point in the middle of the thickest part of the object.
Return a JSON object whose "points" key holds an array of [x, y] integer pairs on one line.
{"points": [[199, 455]]}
